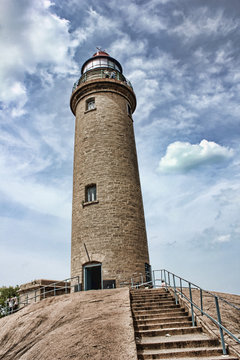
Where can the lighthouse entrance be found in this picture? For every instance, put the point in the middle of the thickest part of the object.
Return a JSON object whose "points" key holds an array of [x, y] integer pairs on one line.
{"points": [[93, 276]]}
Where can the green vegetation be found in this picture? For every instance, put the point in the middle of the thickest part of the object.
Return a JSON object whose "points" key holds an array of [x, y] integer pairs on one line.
{"points": [[6, 293]]}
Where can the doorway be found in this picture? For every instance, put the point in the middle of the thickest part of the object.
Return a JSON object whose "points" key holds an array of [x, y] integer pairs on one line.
{"points": [[93, 276]]}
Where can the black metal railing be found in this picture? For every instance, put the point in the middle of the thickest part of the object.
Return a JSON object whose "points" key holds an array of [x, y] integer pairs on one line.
{"points": [[102, 73]]}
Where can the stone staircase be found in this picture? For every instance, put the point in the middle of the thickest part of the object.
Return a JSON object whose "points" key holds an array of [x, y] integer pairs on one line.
{"points": [[163, 330]]}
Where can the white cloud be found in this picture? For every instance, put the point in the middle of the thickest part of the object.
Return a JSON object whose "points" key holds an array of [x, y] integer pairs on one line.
{"points": [[142, 18], [23, 158], [18, 93], [183, 156], [46, 199], [31, 35], [181, 112], [202, 22], [159, 65], [151, 79], [124, 46], [95, 23], [222, 239], [29, 264]]}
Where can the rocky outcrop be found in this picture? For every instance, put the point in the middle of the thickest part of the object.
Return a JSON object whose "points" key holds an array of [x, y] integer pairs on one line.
{"points": [[85, 325]]}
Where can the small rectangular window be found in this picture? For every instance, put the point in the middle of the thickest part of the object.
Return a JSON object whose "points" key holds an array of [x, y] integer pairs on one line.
{"points": [[90, 104], [91, 193]]}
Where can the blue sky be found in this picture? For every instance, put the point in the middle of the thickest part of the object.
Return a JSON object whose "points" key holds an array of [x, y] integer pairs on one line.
{"points": [[182, 57]]}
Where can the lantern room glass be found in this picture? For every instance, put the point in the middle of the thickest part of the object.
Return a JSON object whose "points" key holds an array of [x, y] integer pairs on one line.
{"points": [[100, 63]]}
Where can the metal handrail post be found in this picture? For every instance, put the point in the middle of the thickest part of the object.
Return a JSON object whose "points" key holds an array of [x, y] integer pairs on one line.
{"points": [[201, 301], [169, 279], [78, 283], [154, 280], [35, 295], [165, 280], [44, 292], [174, 284], [65, 287], [220, 328], [132, 282], [192, 311], [54, 289], [181, 286]]}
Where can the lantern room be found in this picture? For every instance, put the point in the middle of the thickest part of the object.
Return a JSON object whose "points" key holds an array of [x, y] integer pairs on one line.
{"points": [[101, 66], [101, 59]]}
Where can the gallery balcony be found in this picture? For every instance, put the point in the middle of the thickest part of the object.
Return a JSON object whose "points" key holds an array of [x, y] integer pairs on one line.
{"points": [[102, 74]]}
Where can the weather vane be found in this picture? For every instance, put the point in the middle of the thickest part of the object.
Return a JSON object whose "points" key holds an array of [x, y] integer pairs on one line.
{"points": [[99, 48]]}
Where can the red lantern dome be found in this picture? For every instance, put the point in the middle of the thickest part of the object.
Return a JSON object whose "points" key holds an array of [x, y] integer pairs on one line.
{"points": [[100, 52]]}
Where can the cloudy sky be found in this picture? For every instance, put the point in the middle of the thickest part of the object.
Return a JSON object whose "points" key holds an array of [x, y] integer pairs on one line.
{"points": [[182, 57]]}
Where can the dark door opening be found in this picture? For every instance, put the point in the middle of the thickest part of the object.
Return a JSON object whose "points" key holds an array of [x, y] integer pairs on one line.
{"points": [[92, 277]]}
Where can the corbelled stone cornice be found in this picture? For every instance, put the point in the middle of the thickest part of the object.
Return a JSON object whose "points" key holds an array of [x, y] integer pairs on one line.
{"points": [[102, 85]]}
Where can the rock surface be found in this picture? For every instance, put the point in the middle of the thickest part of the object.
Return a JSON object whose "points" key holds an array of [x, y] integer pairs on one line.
{"points": [[230, 316], [85, 325]]}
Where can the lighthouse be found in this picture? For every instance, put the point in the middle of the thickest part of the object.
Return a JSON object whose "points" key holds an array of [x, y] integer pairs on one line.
{"points": [[109, 242]]}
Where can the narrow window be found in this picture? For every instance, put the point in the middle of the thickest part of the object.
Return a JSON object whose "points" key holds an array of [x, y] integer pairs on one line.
{"points": [[91, 193], [90, 104], [129, 110]]}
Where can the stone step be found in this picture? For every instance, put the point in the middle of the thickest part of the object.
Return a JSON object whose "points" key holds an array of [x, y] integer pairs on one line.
{"points": [[148, 293], [169, 331], [170, 315], [154, 297], [163, 330], [161, 290], [213, 353], [153, 307], [176, 342], [161, 320], [167, 312], [154, 301], [167, 325]]}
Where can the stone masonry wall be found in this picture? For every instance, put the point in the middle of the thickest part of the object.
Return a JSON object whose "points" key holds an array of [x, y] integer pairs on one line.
{"points": [[113, 229]]}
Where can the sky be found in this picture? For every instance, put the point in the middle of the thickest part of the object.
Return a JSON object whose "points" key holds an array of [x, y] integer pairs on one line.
{"points": [[182, 58]]}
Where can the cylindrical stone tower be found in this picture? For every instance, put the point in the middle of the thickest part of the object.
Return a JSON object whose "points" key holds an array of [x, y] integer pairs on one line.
{"points": [[109, 243]]}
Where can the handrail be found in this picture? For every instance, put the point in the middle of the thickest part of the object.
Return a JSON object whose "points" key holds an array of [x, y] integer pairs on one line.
{"points": [[168, 276], [164, 274], [137, 280], [100, 73], [43, 293]]}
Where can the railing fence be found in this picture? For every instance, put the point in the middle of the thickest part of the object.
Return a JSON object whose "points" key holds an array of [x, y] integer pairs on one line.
{"points": [[183, 289], [158, 278]]}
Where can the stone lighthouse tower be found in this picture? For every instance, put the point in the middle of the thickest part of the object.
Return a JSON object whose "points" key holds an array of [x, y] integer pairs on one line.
{"points": [[109, 243]]}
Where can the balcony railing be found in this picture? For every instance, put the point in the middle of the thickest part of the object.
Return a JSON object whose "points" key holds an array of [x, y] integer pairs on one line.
{"points": [[101, 74], [184, 289]]}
